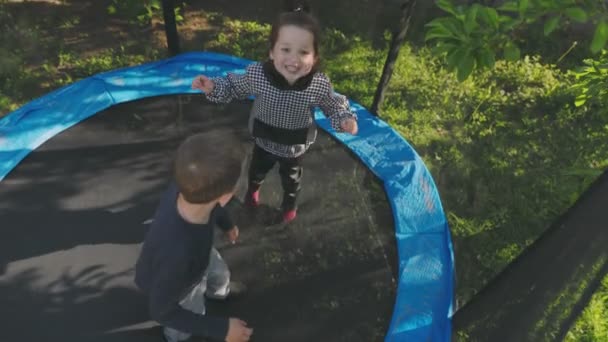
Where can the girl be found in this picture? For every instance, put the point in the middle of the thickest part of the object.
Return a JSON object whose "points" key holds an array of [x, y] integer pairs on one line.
{"points": [[286, 89]]}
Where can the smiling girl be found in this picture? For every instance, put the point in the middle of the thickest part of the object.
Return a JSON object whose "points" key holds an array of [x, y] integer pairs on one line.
{"points": [[287, 87]]}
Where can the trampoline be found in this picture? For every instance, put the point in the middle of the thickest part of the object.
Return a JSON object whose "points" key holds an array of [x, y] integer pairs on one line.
{"points": [[83, 167]]}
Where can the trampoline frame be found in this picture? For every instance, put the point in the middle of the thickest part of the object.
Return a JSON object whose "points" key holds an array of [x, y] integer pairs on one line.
{"points": [[425, 294]]}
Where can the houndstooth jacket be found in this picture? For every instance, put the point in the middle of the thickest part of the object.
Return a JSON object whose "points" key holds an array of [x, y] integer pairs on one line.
{"points": [[281, 119]]}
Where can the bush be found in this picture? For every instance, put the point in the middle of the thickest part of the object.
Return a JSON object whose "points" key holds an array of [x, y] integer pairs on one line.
{"points": [[140, 12], [507, 148], [247, 39], [19, 42]]}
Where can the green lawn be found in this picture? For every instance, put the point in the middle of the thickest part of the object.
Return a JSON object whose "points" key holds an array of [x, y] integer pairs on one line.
{"points": [[507, 148], [592, 325]]}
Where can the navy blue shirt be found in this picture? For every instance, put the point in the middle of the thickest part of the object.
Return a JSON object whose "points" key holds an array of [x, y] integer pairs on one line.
{"points": [[173, 259]]}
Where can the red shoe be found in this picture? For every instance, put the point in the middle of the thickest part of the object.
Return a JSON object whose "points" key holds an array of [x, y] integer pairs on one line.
{"points": [[252, 199], [289, 215]]}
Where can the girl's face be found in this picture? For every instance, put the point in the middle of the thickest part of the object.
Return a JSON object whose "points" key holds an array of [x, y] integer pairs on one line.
{"points": [[293, 54]]}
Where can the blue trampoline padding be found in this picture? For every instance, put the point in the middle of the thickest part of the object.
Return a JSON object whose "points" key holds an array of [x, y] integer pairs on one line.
{"points": [[423, 306]]}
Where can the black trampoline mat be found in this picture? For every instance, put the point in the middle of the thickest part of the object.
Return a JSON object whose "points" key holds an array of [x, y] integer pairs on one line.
{"points": [[74, 213]]}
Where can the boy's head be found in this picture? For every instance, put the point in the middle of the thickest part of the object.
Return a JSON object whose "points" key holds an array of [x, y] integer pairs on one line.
{"points": [[207, 168]]}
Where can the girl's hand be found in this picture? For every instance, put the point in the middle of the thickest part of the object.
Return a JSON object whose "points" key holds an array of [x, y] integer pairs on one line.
{"points": [[203, 83], [350, 126]]}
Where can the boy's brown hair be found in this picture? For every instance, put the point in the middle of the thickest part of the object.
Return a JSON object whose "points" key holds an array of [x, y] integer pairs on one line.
{"points": [[207, 166]]}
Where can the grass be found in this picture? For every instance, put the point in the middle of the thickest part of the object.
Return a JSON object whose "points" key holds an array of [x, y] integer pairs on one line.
{"points": [[49, 46], [592, 325], [508, 150]]}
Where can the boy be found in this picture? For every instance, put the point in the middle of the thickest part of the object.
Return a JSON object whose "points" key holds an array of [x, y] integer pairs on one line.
{"points": [[178, 266]]}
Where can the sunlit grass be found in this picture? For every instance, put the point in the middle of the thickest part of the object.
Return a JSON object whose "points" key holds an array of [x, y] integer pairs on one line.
{"points": [[592, 325], [507, 149]]}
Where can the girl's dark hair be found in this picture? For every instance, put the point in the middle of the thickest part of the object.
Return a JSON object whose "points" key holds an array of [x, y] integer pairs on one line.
{"points": [[297, 13]]}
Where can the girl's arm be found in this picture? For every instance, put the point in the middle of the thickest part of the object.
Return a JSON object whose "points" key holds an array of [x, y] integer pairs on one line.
{"points": [[337, 109], [226, 89]]}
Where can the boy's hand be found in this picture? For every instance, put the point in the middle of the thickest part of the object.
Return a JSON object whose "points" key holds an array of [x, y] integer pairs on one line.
{"points": [[233, 234], [238, 331], [203, 83], [350, 126]]}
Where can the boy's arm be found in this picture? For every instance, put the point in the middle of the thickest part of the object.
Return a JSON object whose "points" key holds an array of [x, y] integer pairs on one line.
{"points": [[335, 106], [223, 219], [232, 87], [164, 297]]}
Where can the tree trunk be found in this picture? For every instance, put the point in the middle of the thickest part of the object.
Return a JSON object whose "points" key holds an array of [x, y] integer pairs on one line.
{"points": [[170, 27], [396, 41]]}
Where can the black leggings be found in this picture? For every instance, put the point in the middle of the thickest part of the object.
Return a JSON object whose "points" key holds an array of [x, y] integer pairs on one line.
{"points": [[290, 170]]}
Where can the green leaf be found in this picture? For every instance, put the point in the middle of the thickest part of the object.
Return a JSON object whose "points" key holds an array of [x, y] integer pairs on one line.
{"points": [[485, 58], [470, 21], [450, 24], [438, 31], [490, 16], [577, 14], [511, 52], [599, 37], [509, 23], [580, 100], [455, 56], [509, 6], [443, 47], [465, 67], [448, 6], [523, 6], [551, 25]]}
